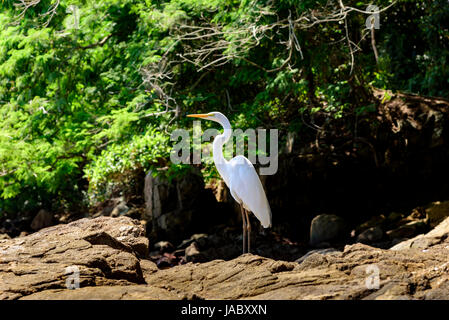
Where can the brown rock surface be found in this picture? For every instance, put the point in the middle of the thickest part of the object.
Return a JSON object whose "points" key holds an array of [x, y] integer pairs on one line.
{"points": [[33, 268], [4, 236], [423, 241], [403, 274], [131, 292], [105, 250]]}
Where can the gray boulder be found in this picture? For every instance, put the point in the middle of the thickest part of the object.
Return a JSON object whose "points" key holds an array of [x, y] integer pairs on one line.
{"points": [[326, 228], [42, 220]]}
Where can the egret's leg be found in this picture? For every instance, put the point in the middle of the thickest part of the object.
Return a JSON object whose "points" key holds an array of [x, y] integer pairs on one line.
{"points": [[244, 228], [248, 228]]}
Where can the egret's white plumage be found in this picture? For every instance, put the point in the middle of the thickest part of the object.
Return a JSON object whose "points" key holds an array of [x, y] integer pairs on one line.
{"points": [[247, 189], [239, 175]]}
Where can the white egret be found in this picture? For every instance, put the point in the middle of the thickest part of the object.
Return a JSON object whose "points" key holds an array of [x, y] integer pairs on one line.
{"points": [[241, 178]]}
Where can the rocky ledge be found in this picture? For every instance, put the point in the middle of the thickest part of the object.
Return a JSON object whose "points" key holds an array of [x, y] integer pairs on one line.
{"points": [[110, 255]]}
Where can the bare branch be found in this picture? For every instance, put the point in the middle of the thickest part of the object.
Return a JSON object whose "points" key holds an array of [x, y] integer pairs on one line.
{"points": [[97, 44], [24, 5], [208, 45]]}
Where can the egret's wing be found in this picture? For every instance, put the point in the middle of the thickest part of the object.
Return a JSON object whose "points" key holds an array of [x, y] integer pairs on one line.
{"points": [[245, 184]]}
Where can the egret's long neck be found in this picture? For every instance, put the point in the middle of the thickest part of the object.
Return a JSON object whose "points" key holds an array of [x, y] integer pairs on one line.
{"points": [[219, 141]]}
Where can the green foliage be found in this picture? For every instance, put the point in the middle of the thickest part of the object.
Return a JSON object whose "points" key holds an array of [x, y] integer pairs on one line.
{"points": [[142, 151], [415, 38]]}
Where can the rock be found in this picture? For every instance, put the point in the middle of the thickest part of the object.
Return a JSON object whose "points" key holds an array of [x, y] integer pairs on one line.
{"points": [[185, 243], [148, 267], [424, 241], [167, 260], [43, 219], [4, 236], [177, 208], [394, 217], [163, 246], [192, 253], [222, 193], [437, 212], [63, 218], [338, 275], [396, 226], [341, 275], [370, 235], [326, 227], [132, 292], [317, 251], [179, 253], [373, 222], [120, 210], [105, 251], [107, 207], [407, 230], [10, 228], [136, 213], [200, 238], [34, 267]]}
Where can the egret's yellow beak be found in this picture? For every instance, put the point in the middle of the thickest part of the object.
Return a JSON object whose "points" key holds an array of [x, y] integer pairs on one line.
{"points": [[201, 115]]}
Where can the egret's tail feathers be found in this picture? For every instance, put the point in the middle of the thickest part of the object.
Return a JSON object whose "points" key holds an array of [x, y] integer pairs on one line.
{"points": [[265, 219], [267, 225]]}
